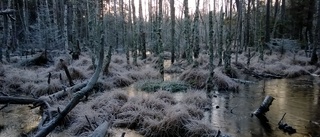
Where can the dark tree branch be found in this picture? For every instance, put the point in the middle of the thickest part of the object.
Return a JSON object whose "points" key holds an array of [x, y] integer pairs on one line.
{"points": [[7, 11]]}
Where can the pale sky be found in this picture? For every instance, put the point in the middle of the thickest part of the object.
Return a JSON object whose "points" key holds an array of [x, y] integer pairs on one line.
{"points": [[178, 5]]}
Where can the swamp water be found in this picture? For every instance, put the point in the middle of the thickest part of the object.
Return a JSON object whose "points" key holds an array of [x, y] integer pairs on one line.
{"points": [[230, 113]]}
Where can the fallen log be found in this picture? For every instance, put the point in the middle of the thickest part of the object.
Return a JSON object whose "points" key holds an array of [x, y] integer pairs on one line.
{"points": [[37, 60], [264, 107], [101, 130], [64, 92], [50, 126], [18, 100], [7, 11]]}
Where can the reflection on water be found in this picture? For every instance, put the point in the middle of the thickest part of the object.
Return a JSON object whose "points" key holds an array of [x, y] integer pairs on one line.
{"points": [[18, 119], [296, 97]]}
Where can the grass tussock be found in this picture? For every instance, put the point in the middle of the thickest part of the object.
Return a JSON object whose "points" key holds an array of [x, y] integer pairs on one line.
{"points": [[223, 82], [158, 114], [155, 85], [196, 97], [295, 71], [195, 77], [287, 65]]}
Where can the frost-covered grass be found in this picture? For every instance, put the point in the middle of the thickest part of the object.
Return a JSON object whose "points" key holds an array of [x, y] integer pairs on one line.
{"points": [[33, 81], [288, 65]]}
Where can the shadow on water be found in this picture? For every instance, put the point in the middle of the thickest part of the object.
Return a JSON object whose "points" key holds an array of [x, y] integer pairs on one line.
{"points": [[299, 98]]}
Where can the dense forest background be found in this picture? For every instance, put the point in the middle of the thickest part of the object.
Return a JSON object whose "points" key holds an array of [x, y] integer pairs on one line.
{"points": [[230, 26]]}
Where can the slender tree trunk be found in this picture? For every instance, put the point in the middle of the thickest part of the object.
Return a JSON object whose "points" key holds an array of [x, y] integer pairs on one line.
{"points": [[220, 30], [130, 39], [248, 34], [135, 42], [142, 36], [283, 15], [209, 86], [173, 22], [187, 32], [267, 32], [196, 44], [316, 42], [160, 43], [227, 53], [70, 23], [5, 33]]}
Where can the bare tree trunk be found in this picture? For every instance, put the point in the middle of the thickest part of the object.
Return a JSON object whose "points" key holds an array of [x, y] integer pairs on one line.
{"points": [[209, 86], [142, 39], [267, 31], [283, 15], [227, 53], [314, 57], [220, 36], [70, 24], [187, 32], [172, 31], [129, 45], [196, 44], [135, 33], [160, 43]]}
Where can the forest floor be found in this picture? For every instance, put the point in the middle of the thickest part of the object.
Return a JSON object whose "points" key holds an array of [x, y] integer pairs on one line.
{"points": [[156, 112]]}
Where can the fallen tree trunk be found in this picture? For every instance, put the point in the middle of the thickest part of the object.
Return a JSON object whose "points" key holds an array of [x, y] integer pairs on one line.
{"points": [[64, 92], [101, 130], [37, 60], [50, 126], [7, 11], [18, 100], [264, 107]]}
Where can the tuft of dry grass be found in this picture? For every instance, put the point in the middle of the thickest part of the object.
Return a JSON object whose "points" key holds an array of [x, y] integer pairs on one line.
{"points": [[195, 77], [224, 82], [165, 96], [196, 97], [199, 129], [295, 71]]}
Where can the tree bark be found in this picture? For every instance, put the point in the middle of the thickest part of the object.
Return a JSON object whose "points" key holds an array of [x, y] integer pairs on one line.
{"points": [[172, 9], [101, 130], [160, 43], [18, 100], [264, 107], [314, 57]]}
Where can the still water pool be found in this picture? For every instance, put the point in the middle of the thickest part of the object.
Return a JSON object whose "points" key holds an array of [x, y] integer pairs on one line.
{"points": [[298, 98]]}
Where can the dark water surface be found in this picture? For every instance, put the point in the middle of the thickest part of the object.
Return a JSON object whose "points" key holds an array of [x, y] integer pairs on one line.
{"points": [[298, 98]]}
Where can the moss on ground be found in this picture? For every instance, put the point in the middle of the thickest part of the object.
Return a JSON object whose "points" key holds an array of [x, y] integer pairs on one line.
{"points": [[154, 85]]}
